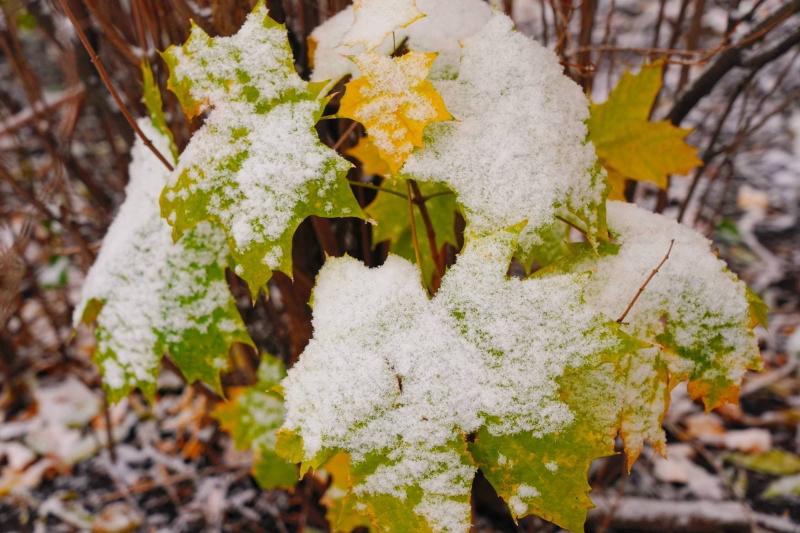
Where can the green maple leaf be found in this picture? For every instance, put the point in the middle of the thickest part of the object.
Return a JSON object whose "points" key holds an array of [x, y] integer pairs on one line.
{"points": [[150, 297], [256, 168], [252, 415], [390, 211], [629, 144]]}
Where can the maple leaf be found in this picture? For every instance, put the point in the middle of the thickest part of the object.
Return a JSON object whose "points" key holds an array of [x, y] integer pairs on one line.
{"points": [[150, 296], [252, 415], [390, 211], [374, 20], [342, 513], [256, 168], [630, 145], [394, 102], [371, 162], [694, 315], [511, 100], [424, 378]]}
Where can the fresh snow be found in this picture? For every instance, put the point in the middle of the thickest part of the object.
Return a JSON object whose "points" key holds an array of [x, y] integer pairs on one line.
{"points": [[445, 24], [517, 148], [152, 289]]}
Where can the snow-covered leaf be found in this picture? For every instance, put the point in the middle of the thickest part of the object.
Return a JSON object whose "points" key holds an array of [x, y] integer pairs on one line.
{"points": [[516, 151], [445, 24], [394, 101], [151, 297], [399, 384], [256, 168], [252, 415], [374, 20]]}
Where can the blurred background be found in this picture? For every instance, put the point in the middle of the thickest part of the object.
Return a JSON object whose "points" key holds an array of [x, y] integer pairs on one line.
{"points": [[69, 461]]}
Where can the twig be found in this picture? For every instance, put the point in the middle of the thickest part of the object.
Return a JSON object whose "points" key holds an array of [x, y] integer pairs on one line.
{"points": [[645, 514], [574, 226], [413, 222], [377, 188], [345, 135], [732, 57], [426, 219], [111, 444], [107, 82], [621, 319]]}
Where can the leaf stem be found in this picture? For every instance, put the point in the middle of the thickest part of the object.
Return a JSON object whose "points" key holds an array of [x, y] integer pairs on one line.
{"points": [[376, 188], [435, 195], [413, 222], [426, 218], [574, 226], [621, 319]]}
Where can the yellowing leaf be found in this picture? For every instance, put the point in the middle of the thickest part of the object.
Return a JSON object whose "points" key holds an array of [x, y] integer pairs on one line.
{"points": [[394, 102], [252, 415], [150, 296], [371, 162], [374, 20], [338, 499], [256, 168], [628, 144]]}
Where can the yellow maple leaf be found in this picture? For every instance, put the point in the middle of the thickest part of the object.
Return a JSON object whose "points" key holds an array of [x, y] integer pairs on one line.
{"points": [[628, 144], [367, 153], [394, 102]]}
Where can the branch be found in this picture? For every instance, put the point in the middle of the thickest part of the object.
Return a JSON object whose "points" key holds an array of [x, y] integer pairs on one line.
{"points": [[107, 82], [645, 514], [727, 61], [759, 60], [621, 319]]}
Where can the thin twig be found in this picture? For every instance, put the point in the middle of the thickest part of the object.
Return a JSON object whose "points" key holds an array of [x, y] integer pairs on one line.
{"points": [[574, 226], [431, 233], [107, 82], [413, 222], [345, 135], [376, 188], [621, 319]]}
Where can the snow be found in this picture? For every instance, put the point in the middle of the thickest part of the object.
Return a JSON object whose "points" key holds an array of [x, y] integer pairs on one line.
{"points": [[254, 160], [694, 290], [516, 150], [151, 288], [373, 20], [390, 371], [278, 156], [257, 55], [445, 24]]}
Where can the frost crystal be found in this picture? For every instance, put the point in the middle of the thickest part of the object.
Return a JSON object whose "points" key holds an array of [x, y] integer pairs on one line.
{"points": [[157, 296], [517, 149]]}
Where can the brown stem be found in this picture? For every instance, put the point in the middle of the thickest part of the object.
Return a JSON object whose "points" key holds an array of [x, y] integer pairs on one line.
{"points": [[639, 292], [101, 70], [426, 219], [413, 222], [112, 450]]}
